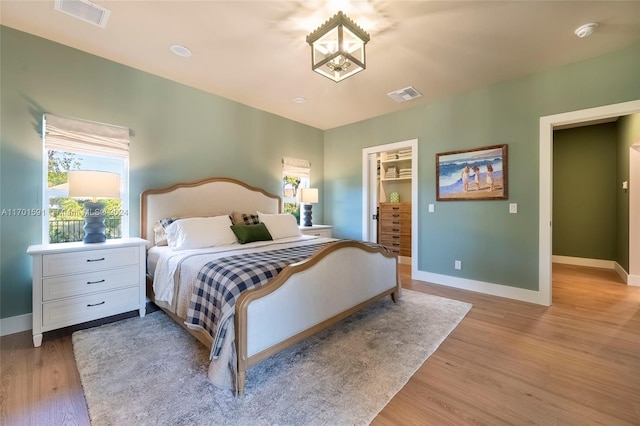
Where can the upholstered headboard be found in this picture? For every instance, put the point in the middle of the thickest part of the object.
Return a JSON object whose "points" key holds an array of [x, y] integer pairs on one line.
{"points": [[209, 197]]}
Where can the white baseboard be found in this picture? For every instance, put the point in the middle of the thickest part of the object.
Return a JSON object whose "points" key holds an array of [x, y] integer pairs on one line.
{"points": [[15, 324], [581, 261], [21, 323], [598, 263], [499, 290], [621, 272]]}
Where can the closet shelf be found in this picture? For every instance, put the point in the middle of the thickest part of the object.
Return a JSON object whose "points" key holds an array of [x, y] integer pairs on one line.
{"points": [[399, 179], [397, 160]]}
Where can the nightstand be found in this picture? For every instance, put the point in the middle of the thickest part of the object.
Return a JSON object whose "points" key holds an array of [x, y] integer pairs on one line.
{"points": [[317, 230], [78, 282]]}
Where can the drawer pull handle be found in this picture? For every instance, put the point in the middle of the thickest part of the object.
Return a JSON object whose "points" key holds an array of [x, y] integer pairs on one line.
{"points": [[95, 282], [96, 304], [396, 223], [396, 229], [95, 260], [396, 215], [395, 236]]}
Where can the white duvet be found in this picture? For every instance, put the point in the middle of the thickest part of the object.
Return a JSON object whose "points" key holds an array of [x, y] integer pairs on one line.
{"points": [[176, 270]]}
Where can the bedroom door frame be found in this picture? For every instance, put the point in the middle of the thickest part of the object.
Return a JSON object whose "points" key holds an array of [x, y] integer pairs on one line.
{"points": [[370, 194], [545, 226]]}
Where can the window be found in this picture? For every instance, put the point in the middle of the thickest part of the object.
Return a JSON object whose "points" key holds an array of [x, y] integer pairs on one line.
{"points": [[295, 175], [71, 144]]}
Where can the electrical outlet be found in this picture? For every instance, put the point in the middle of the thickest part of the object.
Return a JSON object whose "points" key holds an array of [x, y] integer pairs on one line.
{"points": [[432, 208], [457, 264], [513, 208]]}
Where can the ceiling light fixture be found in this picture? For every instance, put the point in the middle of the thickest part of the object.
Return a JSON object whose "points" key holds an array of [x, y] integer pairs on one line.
{"points": [[337, 48], [180, 50], [586, 30]]}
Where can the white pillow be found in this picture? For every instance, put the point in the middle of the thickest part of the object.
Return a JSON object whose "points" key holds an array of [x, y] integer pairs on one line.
{"points": [[280, 225], [200, 232]]}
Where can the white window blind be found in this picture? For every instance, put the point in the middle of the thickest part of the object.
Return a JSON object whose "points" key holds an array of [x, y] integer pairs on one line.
{"points": [[73, 135], [296, 167]]}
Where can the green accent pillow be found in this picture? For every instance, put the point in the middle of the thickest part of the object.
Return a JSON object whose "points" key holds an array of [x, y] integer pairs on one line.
{"points": [[250, 233]]}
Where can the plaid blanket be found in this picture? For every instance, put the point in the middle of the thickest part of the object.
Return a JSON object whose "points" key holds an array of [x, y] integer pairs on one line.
{"points": [[221, 281]]}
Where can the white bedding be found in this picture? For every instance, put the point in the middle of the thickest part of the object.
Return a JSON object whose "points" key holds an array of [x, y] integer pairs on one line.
{"points": [[176, 271], [153, 254]]}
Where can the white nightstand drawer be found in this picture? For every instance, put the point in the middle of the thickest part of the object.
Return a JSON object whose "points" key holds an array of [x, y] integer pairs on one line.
{"points": [[61, 313], [79, 284], [88, 261], [317, 230], [319, 233]]}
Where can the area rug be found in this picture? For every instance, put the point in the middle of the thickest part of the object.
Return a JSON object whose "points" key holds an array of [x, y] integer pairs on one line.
{"points": [[149, 371]]}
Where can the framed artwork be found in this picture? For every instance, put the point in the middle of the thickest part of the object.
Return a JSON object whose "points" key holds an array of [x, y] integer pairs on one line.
{"points": [[473, 174]]}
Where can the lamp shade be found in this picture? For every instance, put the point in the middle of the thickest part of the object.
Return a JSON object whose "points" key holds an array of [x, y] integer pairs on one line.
{"points": [[309, 195], [95, 184]]}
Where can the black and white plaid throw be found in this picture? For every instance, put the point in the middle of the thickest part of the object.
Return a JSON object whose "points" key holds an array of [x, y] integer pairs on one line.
{"points": [[221, 281]]}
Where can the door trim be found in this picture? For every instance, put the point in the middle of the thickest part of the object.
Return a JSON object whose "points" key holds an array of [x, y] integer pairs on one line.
{"points": [[366, 192], [547, 125]]}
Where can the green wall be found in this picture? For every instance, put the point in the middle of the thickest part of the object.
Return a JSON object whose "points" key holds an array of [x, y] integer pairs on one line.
{"points": [[585, 191], [494, 246], [178, 134], [591, 210]]}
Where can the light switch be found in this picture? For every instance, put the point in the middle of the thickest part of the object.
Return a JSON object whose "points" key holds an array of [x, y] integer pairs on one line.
{"points": [[432, 208], [513, 208]]}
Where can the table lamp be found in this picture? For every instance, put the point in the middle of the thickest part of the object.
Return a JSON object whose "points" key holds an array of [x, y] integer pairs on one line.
{"points": [[308, 196], [94, 185]]}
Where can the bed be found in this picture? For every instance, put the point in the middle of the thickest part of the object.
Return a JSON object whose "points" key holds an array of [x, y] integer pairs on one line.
{"points": [[328, 280]]}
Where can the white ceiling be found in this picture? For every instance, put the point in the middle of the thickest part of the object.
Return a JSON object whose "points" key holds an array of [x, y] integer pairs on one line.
{"points": [[254, 52]]}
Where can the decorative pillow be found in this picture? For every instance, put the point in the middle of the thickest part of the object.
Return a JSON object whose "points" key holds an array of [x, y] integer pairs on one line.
{"points": [[159, 230], [280, 225], [244, 218], [200, 232], [251, 233], [160, 236], [167, 221]]}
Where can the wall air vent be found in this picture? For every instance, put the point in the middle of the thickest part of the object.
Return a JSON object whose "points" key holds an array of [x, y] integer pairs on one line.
{"points": [[84, 10], [405, 94]]}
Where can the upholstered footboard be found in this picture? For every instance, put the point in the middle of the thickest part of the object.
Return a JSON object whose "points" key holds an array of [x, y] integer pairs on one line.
{"points": [[311, 295]]}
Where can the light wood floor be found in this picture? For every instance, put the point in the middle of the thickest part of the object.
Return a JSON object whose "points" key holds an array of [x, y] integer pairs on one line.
{"points": [[507, 363]]}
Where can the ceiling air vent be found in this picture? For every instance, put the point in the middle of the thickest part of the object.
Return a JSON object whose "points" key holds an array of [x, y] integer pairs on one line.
{"points": [[405, 94], [84, 10]]}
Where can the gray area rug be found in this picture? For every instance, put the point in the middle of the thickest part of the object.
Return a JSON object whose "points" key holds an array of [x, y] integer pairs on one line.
{"points": [[149, 371]]}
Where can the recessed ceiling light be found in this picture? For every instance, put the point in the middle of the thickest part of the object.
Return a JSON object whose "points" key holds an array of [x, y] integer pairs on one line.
{"points": [[180, 50], [586, 30], [298, 100]]}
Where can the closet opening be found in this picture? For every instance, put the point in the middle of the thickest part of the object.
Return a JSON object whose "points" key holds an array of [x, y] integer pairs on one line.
{"points": [[390, 198]]}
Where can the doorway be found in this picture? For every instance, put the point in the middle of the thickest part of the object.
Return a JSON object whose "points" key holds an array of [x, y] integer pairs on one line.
{"points": [[547, 124], [370, 193]]}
